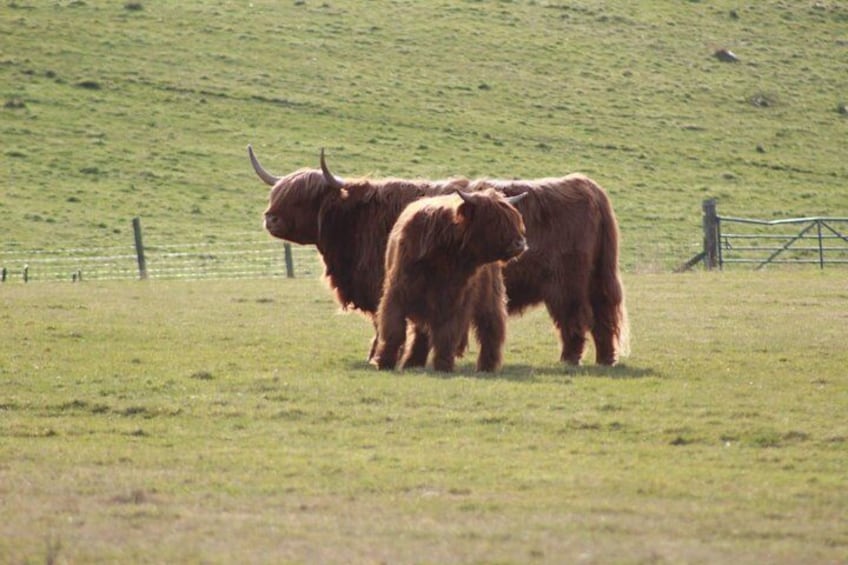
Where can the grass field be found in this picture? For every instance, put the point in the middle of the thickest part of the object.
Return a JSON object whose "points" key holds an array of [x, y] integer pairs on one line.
{"points": [[221, 421], [224, 421]]}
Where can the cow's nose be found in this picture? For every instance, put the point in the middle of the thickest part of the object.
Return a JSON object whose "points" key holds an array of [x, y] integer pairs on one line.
{"points": [[270, 220], [519, 246], [516, 248]]}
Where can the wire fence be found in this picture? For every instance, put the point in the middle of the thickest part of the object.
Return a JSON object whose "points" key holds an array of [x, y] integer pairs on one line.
{"points": [[248, 256], [256, 255]]}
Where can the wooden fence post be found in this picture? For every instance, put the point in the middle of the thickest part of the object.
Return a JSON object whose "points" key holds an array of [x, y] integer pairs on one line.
{"points": [[139, 249], [289, 261], [711, 228]]}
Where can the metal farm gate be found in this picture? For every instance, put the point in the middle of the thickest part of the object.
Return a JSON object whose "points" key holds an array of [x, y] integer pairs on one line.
{"points": [[797, 241]]}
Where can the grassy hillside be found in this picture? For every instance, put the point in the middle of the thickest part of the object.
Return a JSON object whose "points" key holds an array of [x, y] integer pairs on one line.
{"points": [[112, 110], [175, 422]]}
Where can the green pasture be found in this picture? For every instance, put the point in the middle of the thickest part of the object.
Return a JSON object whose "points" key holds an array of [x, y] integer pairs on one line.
{"points": [[238, 421], [109, 110]]}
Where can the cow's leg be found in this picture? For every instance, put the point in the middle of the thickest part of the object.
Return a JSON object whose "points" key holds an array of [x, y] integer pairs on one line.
{"points": [[419, 347], [606, 331], [462, 346], [609, 317], [604, 345], [374, 341], [391, 332], [445, 342], [573, 318]]}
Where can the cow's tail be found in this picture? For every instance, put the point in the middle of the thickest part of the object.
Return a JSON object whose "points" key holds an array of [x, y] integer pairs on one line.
{"points": [[609, 303]]}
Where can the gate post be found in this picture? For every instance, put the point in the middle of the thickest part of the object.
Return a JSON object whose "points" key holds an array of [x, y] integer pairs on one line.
{"points": [[289, 261], [711, 234], [139, 249]]}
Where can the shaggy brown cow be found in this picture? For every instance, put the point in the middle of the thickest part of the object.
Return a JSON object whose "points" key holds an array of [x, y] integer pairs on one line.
{"points": [[572, 264], [349, 222], [443, 274]]}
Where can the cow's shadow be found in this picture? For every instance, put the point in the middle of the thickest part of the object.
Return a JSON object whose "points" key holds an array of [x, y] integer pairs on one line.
{"points": [[523, 372], [520, 372]]}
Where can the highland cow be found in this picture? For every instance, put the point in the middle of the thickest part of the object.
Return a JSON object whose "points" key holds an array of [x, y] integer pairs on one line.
{"points": [[572, 233], [349, 222], [443, 275]]}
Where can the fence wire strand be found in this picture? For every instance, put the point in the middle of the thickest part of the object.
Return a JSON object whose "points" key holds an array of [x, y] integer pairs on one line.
{"points": [[252, 257]]}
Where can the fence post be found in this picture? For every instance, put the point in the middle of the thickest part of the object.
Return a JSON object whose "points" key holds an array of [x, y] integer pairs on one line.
{"points": [[711, 228], [139, 249], [4, 274], [289, 261]]}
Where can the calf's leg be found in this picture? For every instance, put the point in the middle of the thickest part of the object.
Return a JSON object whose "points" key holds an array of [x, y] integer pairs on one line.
{"points": [[445, 342], [419, 348], [490, 327], [391, 332]]}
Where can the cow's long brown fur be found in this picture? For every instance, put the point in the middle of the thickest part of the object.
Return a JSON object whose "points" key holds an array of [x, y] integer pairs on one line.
{"points": [[572, 263], [443, 274], [572, 232]]}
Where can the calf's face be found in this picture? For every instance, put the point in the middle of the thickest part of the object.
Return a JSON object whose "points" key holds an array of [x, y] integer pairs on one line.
{"points": [[494, 228]]}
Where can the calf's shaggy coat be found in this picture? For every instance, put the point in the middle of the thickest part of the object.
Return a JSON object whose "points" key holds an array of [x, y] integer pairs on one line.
{"points": [[443, 274]]}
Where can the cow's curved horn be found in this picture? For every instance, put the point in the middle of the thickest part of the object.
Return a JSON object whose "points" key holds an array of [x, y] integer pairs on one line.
{"points": [[517, 198], [464, 195], [334, 181], [267, 177]]}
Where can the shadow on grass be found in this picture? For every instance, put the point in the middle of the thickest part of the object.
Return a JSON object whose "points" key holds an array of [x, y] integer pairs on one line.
{"points": [[526, 373]]}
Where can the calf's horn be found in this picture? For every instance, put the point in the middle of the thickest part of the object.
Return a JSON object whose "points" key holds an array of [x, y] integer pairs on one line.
{"points": [[516, 199], [334, 181], [267, 177], [464, 195]]}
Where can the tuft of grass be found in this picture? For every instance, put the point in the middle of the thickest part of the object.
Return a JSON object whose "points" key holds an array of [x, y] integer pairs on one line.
{"points": [[89, 84], [53, 547], [14, 104]]}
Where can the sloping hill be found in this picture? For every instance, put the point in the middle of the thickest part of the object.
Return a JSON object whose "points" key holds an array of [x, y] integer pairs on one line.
{"points": [[113, 110]]}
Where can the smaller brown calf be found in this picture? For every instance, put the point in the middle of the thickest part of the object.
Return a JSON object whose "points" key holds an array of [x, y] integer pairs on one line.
{"points": [[443, 274]]}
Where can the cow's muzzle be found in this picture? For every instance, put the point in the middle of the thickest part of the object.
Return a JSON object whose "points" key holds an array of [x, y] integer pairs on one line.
{"points": [[517, 247], [273, 225]]}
